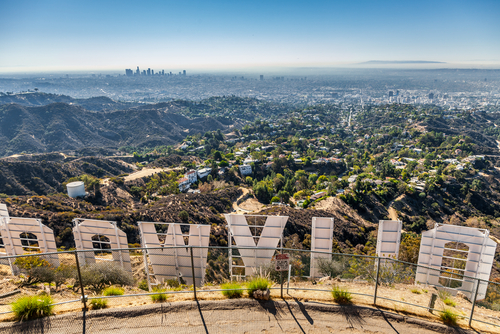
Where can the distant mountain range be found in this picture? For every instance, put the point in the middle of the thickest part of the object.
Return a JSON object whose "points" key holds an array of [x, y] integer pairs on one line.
{"points": [[62, 127], [98, 103], [396, 62]]}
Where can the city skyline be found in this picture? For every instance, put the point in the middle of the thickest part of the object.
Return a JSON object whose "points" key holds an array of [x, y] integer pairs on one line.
{"points": [[92, 36]]}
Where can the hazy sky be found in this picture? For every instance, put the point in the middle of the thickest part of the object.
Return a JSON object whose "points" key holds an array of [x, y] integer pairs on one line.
{"points": [[96, 35]]}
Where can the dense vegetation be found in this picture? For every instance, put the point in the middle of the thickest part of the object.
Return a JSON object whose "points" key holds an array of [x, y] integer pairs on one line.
{"points": [[420, 164]]}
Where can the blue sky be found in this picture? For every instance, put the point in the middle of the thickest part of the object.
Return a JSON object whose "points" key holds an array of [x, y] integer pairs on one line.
{"points": [[99, 35]]}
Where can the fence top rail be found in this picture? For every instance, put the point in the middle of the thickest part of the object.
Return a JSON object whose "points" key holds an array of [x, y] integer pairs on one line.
{"points": [[136, 249], [178, 224]]}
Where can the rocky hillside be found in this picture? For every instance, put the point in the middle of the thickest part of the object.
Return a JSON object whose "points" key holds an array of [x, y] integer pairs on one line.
{"points": [[62, 127], [46, 177]]}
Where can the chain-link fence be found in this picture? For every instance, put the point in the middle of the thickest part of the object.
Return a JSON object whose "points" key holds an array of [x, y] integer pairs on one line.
{"points": [[87, 290]]}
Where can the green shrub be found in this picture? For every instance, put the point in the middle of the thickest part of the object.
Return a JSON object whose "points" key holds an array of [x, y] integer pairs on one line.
{"points": [[160, 296], [32, 307], [173, 283], [99, 303], [416, 291], [35, 269], [341, 295], [443, 294], [448, 317], [258, 283], [449, 302], [99, 275], [143, 285], [113, 291], [229, 290], [275, 199]]}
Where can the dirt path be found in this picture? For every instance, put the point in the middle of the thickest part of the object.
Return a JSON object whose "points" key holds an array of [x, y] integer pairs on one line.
{"points": [[392, 212], [236, 208], [238, 316], [147, 172]]}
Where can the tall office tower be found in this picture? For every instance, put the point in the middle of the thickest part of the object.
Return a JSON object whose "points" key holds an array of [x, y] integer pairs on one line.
{"points": [[143, 72], [184, 73], [261, 77], [397, 93], [137, 72], [431, 96], [170, 73], [162, 72], [152, 72], [391, 93], [149, 71], [128, 72]]}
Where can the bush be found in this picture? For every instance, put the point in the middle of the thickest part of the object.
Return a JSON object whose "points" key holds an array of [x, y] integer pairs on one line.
{"points": [[329, 267], [258, 283], [113, 291], [184, 216], [63, 273], [101, 274], [275, 199], [448, 317], [229, 290], [99, 303], [32, 307], [35, 270], [449, 302], [341, 295], [416, 291], [173, 283], [143, 285], [443, 295], [160, 296]]}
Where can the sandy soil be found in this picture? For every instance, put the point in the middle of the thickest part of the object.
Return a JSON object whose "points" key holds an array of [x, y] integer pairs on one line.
{"points": [[238, 316], [146, 172], [251, 204]]}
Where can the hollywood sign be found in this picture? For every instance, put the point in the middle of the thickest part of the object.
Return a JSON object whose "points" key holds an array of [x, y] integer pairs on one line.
{"points": [[170, 260]]}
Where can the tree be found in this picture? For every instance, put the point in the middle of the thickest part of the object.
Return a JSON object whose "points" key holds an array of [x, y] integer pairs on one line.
{"points": [[263, 191], [322, 179], [284, 195], [217, 156], [278, 182], [289, 186]]}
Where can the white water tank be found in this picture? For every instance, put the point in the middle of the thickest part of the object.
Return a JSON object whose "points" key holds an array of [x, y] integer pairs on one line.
{"points": [[76, 189]]}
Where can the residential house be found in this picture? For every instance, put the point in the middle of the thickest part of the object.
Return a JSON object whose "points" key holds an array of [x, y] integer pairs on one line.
{"points": [[245, 170]]}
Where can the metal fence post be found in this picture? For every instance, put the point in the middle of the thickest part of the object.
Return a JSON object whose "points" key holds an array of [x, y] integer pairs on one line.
{"points": [[146, 268], [474, 301], [192, 270], [289, 273], [376, 282], [84, 298]]}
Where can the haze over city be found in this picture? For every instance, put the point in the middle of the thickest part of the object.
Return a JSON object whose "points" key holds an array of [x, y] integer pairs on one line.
{"points": [[223, 35]]}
